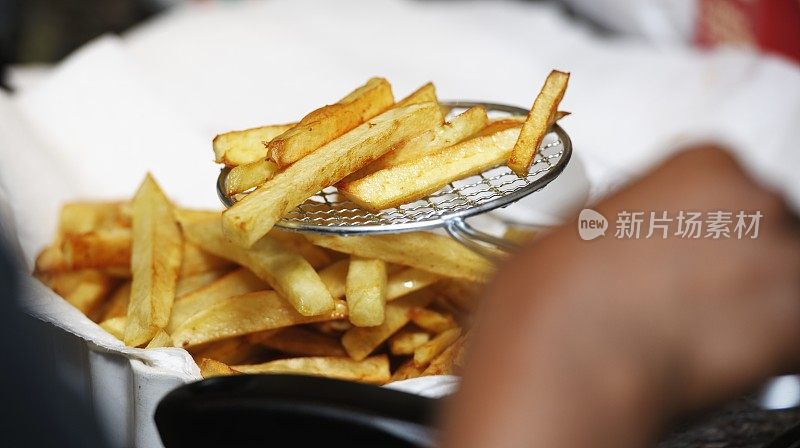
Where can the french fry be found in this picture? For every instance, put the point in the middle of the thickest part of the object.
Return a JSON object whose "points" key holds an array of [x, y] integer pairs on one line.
{"points": [[161, 339], [316, 256], [463, 294], [186, 285], [241, 147], [244, 314], [84, 289], [155, 260], [359, 342], [238, 282], [373, 370], [300, 342], [366, 291], [429, 142], [417, 178], [210, 368], [117, 305], [407, 281], [230, 351], [538, 123], [405, 342], [424, 94], [445, 363], [333, 327], [335, 278], [255, 215], [186, 216], [51, 260], [423, 250], [83, 217], [513, 121], [431, 320], [287, 272], [97, 249], [244, 177], [424, 354], [196, 261], [329, 122], [406, 371], [115, 326]]}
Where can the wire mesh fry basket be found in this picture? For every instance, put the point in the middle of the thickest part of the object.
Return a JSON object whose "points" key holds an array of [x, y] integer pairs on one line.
{"points": [[331, 213]]}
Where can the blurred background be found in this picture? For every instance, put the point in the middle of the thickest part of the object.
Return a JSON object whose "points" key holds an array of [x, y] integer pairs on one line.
{"points": [[44, 31]]}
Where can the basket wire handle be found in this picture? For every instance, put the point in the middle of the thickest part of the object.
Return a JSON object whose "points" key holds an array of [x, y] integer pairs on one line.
{"points": [[483, 243]]}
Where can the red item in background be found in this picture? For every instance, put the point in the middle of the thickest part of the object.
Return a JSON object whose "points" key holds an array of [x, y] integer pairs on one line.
{"points": [[770, 25]]}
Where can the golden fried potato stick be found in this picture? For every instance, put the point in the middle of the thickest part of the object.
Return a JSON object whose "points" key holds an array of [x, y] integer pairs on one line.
{"points": [[405, 342], [407, 281], [51, 260], [406, 371], [82, 217], [359, 342], [255, 215], [424, 94], [366, 291], [329, 122], [238, 282], [98, 249], [161, 339], [283, 269], [538, 123], [417, 178], [244, 314], [425, 353], [299, 341], [117, 305], [210, 368], [195, 260], [423, 250], [236, 350], [513, 121], [85, 289], [446, 362], [333, 327], [244, 177], [335, 278], [448, 134], [316, 256], [157, 250], [431, 320], [115, 326], [241, 147], [373, 370], [194, 282]]}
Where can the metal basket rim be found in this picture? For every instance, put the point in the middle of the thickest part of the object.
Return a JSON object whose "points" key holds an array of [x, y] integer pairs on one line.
{"points": [[439, 221]]}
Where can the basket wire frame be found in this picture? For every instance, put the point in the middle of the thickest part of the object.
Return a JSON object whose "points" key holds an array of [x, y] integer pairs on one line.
{"points": [[331, 213]]}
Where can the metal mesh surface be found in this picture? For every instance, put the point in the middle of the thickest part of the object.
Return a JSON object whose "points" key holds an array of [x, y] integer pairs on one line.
{"points": [[330, 212]]}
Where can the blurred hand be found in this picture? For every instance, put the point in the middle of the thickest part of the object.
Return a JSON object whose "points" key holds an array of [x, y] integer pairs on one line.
{"points": [[601, 343]]}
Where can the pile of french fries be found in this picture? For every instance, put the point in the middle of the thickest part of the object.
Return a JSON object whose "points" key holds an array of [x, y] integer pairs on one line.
{"points": [[373, 309], [378, 153], [244, 297]]}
